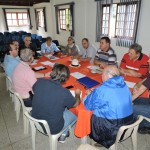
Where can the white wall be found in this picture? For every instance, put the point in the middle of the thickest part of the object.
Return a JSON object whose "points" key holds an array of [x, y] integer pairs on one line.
{"points": [[85, 25]]}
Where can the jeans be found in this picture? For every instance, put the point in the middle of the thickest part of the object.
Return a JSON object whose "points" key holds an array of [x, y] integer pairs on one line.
{"points": [[142, 107], [28, 102], [69, 119]]}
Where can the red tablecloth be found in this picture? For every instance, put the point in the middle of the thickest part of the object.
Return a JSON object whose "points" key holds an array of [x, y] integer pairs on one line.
{"points": [[82, 127]]}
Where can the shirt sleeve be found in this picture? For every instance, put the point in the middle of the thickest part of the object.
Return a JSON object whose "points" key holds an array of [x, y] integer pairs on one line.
{"points": [[56, 49], [143, 70], [43, 47], [92, 52], [70, 100], [123, 62], [94, 100], [31, 79], [97, 55], [146, 83]]}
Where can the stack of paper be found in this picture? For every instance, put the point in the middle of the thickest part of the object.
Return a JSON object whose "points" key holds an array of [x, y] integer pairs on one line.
{"points": [[47, 63], [39, 68], [77, 75]]}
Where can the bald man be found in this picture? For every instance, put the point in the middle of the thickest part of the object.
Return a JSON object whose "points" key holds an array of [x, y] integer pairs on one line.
{"points": [[111, 104]]}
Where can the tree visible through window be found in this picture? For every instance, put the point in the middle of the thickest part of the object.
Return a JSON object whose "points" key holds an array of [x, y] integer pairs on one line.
{"points": [[65, 20], [17, 19]]}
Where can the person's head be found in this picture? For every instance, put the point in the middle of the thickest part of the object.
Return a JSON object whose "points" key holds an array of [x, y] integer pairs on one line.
{"points": [[110, 72], [26, 55], [27, 40], [16, 43], [85, 43], [134, 51], [105, 43], [48, 40], [11, 50], [60, 73], [70, 40]]}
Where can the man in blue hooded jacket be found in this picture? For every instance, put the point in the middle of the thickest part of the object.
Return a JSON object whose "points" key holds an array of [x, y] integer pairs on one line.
{"points": [[111, 104]]}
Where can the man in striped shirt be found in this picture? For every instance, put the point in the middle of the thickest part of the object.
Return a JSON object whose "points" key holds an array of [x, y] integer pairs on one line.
{"points": [[135, 63], [105, 55]]}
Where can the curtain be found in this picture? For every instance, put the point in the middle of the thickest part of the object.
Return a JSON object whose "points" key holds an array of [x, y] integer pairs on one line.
{"points": [[30, 23], [57, 19], [5, 19], [99, 18], [127, 35], [36, 19], [72, 16], [45, 22]]}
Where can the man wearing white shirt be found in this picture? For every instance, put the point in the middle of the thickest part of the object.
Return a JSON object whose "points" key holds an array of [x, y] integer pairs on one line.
{"points": [[88, 51], [49, 47]]}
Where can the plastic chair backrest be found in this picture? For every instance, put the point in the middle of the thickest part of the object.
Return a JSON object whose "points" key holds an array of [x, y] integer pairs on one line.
{"points": [[126, 131], [41, 125]]}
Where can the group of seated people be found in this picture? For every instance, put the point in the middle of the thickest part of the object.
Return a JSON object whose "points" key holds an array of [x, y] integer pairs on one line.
{"points": [[112, 103]]}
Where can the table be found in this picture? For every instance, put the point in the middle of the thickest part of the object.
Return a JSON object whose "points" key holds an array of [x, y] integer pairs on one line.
{"points": [[82, 127]]}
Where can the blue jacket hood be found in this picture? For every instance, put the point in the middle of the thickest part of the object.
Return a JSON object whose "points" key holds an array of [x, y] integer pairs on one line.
{"points": [[115, 82]]}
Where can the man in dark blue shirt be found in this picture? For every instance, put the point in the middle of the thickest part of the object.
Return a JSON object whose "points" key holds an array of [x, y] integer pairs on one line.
{"points": [[51, 101]]}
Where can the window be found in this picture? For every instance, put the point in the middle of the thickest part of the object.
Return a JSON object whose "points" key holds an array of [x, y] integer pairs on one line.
{"points": [[119, 20], [65, 20], [125, 22], [105, 20], [40, 15], [17, 19]]}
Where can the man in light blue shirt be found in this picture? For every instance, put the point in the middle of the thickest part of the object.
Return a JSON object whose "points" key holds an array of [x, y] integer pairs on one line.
{"points": [[88, 51], [11, 59], [49, 47]]}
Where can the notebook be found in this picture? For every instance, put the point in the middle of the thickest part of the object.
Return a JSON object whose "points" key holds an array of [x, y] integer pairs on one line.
{"points": [[88, 82]]}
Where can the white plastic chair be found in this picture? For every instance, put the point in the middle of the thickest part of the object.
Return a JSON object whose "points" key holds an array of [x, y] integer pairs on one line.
{"points": [[18, 103], [128, 131], [36, 125], [8, 83], [148, 119], [86, 147]]}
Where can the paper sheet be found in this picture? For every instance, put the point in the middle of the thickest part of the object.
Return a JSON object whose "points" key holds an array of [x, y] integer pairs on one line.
{"points": [[77, 75], [33, 63], [130, 84], [39, 67], [47, 63], [93, 67]]}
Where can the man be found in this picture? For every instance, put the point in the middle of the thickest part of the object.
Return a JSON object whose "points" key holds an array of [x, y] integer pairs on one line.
{"points": [[11, 59], [71, 49], [105, 55], [51, 101], [23, 77], [111, 104], [49, 47], [142, 105], [88, 51], [134, 63], [28, 44]]}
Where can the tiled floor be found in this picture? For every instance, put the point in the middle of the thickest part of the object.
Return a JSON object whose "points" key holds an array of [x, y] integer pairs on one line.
{"points": [[13, 138]]}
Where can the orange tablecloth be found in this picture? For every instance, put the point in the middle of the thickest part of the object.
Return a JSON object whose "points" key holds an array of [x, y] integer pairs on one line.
{"points": [[82, 127]]}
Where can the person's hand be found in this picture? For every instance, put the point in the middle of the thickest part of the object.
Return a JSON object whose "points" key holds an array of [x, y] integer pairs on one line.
{"points": [[88, 91], [77, 92], [136, 88]]}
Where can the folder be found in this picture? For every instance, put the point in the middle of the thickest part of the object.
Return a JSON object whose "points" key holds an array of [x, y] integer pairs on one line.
{"points": [[87, 82]]}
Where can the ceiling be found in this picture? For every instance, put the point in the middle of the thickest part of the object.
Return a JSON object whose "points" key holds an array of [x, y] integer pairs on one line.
{"points": [[21, 2]]}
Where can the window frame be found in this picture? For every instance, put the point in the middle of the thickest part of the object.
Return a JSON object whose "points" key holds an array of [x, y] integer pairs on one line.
{"points": [[69, 18], [134, 26], [17, 19], [105, 5]]}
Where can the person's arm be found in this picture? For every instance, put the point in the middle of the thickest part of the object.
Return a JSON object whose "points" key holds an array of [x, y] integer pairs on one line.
{"points": [[138, 89], [130, 72], [137, 92], [56, 49], [77, 97]]}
